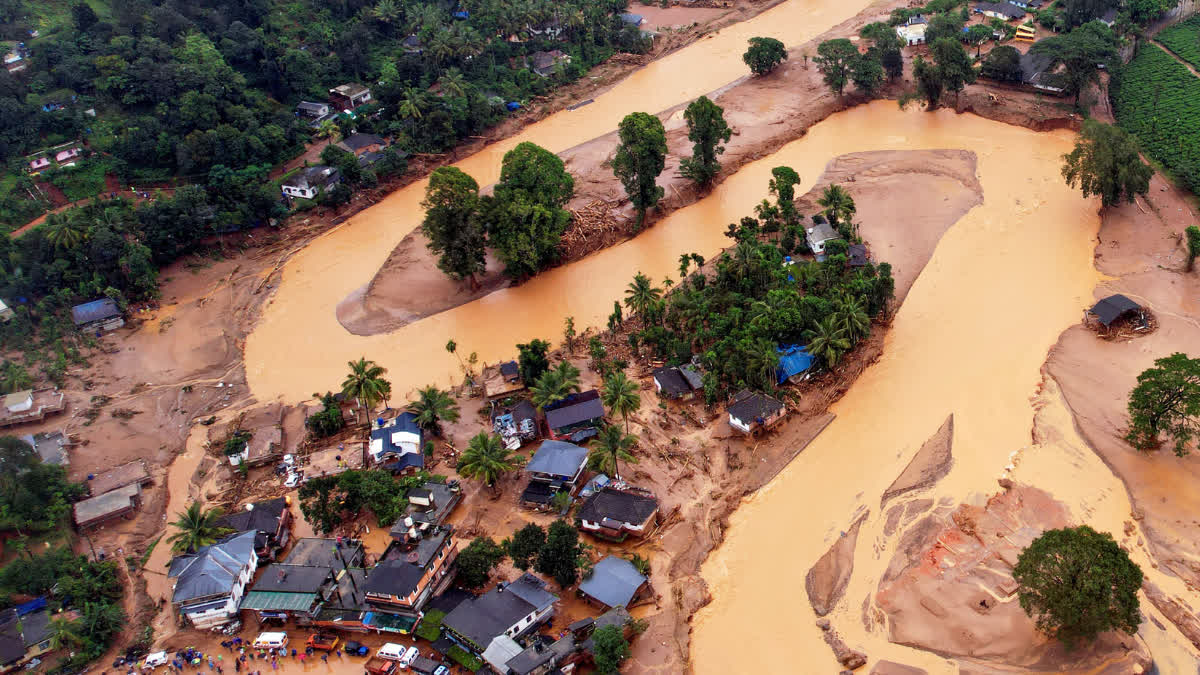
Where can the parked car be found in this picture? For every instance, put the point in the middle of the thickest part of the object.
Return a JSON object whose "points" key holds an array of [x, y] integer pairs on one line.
{"points": [[355, 648], [391, 651], [380, 666], [409, 656], [270, 640], [155, 660], [323, 641]]}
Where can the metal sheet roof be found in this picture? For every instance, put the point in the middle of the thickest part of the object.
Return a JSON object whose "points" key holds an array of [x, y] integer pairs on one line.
{"points": [[278, 601]]}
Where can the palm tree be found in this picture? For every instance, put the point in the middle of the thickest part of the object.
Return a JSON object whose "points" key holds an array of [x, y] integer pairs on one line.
{"points": [[641, 294], [454, 83], [485, 459], [555, 384], [366, 385], [621, 395], [410, 105], [612, 447], [853, 318], [65, 232], [197, 528], [387, 11], [63, 632], [14, 378], [432, 407], [827, 341], [102, 619], [838, 204]]}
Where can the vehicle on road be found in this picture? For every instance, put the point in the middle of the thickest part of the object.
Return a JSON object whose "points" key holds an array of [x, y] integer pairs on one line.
{"points": [[270, 640], [355, 648], [391, 651], [409, 656], [380, 666], [323, 641]]}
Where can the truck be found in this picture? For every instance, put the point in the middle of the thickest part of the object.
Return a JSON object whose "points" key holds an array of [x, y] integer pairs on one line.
{"points": [[323, 641], [379, 666]]}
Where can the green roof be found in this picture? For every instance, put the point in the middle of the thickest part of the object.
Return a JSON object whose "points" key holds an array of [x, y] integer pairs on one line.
{"points": [[278, 601]]}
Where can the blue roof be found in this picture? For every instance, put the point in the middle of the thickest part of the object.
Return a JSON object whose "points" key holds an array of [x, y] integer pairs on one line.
{"points": [[613, 581], [631, 18], [96, 310], [793, 360], [405, 421]]}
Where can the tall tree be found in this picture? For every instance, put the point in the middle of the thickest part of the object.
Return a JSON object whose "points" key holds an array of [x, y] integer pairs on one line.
{"points": [[432, 407], [953, 65], [532, 361], [884, 38], [1166, 400], [524, 545], [196, 527], [929, 83], [838, 205], [706, 130], [366, 384], [827, 341], [978, 35], [527, 216], [610, 649], [641, 295], [764, 55], [834, 59], [1077, 583], [1081, 53], [485, 459], [1106, 163], [944, 25], [559, 558], [613, 446], [784, 180], [640, 157], [1192, 234], [476, 562], [866, 72], [452, 223], [554, 385], [620, 395], [569, 334], [1002, 63]]}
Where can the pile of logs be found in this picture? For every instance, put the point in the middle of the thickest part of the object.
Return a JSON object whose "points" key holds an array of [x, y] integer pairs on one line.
{"points": [[592, 227]]}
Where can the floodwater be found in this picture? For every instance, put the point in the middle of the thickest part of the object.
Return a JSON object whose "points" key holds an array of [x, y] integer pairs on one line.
{"points": [[970, 339], [298, 346]]}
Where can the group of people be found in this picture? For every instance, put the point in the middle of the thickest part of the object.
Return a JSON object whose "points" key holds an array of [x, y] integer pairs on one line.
{"points": [[244, 658]]}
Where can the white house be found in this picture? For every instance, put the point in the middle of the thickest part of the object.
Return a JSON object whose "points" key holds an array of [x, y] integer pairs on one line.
{"points": [[210, 583], [751, 411], [818, 235], [913, 30], [307, 183]]}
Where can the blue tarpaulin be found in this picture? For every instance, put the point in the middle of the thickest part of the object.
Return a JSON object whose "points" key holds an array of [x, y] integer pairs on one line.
{"points": [[793, 360], [31, 606]]}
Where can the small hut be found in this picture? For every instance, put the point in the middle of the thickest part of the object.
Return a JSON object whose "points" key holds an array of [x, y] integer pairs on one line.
{"points": [[1116, 311]]}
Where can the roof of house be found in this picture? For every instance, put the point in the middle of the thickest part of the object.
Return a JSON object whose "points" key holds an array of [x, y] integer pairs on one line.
{"points": [[619, 505], [359, 141], [632, 19], [284, 578], [313, 176], [12, 645], [49, 446], [857, 254], [483, 618], [321, 552], [917, 19], [671, 381], [312, 107], [412, 41], [262, 517], [693, 377], [394, 577], [126, 474], [822, 232], [574, 409], [557, 458], [1112, 308], [105, 505], [212, 570], [405, 422], [278, 601], [537, 655], [499, 651], [444, 500], [1006, 9], [613, 582], [349, 90], [35, 627], [543, 60], [96, 310], [748, 405], [793, 360], [510, 369]]}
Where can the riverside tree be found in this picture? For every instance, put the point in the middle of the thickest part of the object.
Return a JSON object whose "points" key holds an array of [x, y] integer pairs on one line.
{"points": [[1076, 583], [866, 72], [884, 38], [526, 216], [834, 59], [1106, 163], [953, 65], [1002, 64], [764, 55], [1192, 234], [640, 157], [1081, 53], [1166, 401], [707, 130], [452, 225]]}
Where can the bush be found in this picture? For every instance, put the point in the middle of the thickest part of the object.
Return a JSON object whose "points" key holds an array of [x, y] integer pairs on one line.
{"points": [[461, 657], [430, 627]]}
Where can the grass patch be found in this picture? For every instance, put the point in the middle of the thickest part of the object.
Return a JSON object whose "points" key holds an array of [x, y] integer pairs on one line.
{"points": [[82, 181], [462, 658], [431, 626], [1158, 100]]}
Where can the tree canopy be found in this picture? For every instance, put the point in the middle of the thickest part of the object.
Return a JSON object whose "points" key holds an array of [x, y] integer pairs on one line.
{"points": [[476, 562], [1003, 64], [1077, 583], [835, 59], [526, 216], [560, 556], [1106, 163], [1166, 401], [640, 157], [764, 55], [611, 649], [452, 223], [1081, 53], [707, 131]]}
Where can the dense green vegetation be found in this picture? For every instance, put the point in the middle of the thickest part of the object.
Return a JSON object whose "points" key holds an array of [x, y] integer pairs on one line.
{"points": [[92, 588], [1077, 583], [1106, 163], [327, 501], [764, 55], [1183, 39], [34, 497], [1157, 99], [736, 318]]}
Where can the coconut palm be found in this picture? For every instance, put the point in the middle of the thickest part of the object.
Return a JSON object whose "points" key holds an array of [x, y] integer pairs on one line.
{"points": [[486, 459], [65, 232], [366, 385], [827, 341], [853, 318], [641, 294], [410, 105], [387, 11], [432, 407], [197, 527], [63, 632], [621, 395], [838, 204], [453, 82], [612, 447], [555, 384]]}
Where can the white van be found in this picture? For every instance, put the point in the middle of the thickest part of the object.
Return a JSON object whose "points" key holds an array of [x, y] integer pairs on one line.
{"points": [[270, 640], [391, 651], [409, 656]]}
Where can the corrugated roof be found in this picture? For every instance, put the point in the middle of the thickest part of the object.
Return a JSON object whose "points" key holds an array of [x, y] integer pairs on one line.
{"points": [[576, 408], [613, 582], [212, 570], [278, 601], [96, 310], [557, 459], [105, 505]]}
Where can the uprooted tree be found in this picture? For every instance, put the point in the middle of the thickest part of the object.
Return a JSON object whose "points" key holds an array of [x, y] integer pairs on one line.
{"points": [[1166, 401]]}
